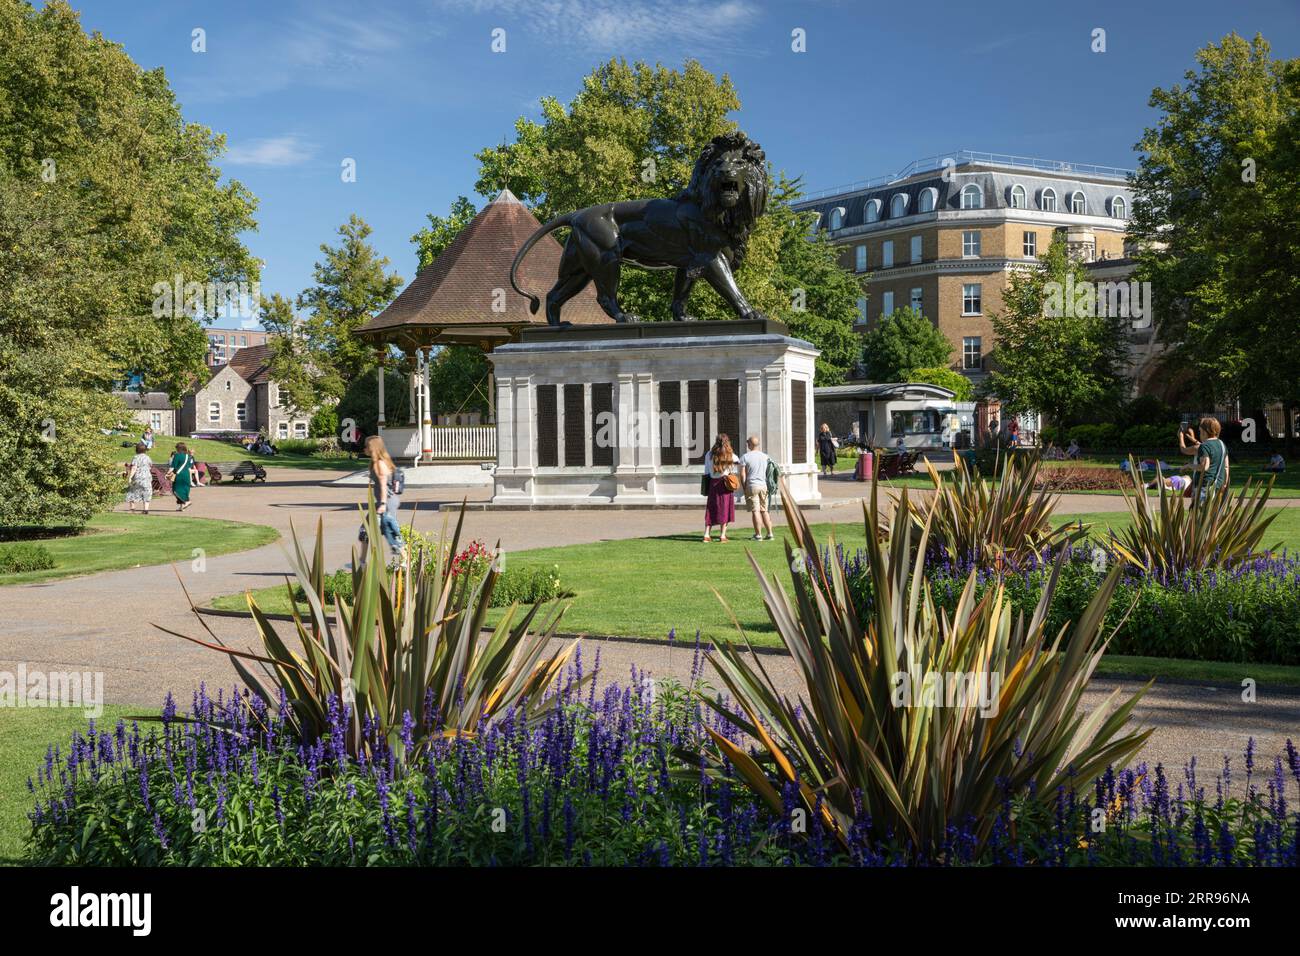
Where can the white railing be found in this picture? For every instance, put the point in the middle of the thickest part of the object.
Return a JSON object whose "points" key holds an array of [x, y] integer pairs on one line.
{"points": [[463, 443]]}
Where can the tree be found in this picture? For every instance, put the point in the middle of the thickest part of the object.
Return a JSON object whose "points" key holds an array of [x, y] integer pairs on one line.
{"points": [[901, 341], [360, 403], [352, 284], [634, 132], [1215, 216], [105, 193], [442, 231], [1052, 352], [458, 379], [961, 387]]}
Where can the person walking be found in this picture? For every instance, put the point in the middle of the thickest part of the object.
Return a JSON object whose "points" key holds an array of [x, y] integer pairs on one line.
{"points": [[179, 472], [139, 488], [753, 477], [720, 509], [827, 445], [387, 483], [1210, 472]]}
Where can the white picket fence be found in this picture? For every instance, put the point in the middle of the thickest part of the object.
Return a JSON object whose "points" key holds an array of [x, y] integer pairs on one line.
{"points": [[464, 443]]}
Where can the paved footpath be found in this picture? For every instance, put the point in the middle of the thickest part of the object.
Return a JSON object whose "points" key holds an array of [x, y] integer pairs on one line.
{"points": [[104, 622]]}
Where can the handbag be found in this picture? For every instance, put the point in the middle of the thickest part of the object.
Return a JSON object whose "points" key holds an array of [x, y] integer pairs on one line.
{"points": [[704, 484], [732, 481]]}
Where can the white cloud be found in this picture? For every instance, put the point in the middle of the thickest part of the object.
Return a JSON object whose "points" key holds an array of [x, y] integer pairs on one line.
{"points": [[622, 25], [287, 150]]}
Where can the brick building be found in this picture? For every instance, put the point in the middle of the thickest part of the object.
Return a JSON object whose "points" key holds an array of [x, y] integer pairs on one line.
{"points": [[224, 344], [945, 234]]}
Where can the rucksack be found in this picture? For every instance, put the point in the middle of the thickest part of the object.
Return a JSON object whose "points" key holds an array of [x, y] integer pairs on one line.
{"points": [[397, 481], [773, 478]]}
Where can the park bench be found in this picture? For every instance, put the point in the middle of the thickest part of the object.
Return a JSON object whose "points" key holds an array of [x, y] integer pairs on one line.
{"points": [[896, 464], [248, 469]]}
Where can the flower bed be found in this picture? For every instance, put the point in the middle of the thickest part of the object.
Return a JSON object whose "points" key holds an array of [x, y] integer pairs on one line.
{"points": [[1073, 478], [1249, 613], [597, 783]]}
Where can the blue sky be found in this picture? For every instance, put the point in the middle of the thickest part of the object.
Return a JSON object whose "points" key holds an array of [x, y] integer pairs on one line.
{"points": [[412, 89]]}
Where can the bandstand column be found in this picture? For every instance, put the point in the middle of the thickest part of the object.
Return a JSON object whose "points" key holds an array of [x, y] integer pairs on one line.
{"points": [[382, 420], [426, 427]]}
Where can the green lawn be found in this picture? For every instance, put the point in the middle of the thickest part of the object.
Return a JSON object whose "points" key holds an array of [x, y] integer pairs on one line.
{"points": [[119, 540], [26, 735], [205, 449]]}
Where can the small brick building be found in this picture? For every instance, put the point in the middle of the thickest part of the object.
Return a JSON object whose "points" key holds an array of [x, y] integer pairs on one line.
{"points": [[240, 396]]}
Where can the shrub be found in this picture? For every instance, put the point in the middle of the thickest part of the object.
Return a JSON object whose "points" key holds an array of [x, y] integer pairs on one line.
{"points": [[360, 402], [410, 635], [1192, 534], [849, 744], [17, 558], [969, 519], [325, 422]]}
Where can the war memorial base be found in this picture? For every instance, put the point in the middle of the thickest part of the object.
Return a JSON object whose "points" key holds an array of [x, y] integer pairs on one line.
{"points": [[622, 416]]}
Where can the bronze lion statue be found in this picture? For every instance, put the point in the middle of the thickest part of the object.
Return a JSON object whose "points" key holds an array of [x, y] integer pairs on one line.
{"points": [[701, 234]]}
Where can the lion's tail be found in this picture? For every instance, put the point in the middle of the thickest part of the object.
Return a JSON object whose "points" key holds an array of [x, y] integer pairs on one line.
{"points": [[534, 303]]}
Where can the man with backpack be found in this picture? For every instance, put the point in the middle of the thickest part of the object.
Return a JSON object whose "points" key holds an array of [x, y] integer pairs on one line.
{"points": [[758, 476]]}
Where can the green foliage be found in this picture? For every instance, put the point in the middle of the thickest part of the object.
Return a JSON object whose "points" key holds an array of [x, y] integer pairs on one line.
{"points": [[1052, 355], [900, 342], [360, 402], [1216, 220], [16, 558], [129, 197], [962, 388], [1205, 615], [458, 379], [432, 241], [325, 421], [318, 356], [634, 132], [1007, 523], [854, 740], [409, 640], [1195, 533]]}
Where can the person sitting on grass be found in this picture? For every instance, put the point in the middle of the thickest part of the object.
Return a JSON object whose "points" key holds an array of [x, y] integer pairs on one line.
{"points": [[1276, 465], [1073, 452], [1175, 483]]}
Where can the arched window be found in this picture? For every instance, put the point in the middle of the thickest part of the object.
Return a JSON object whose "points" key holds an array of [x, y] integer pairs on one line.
{"points": [[898, 206], [1119, 208], [1047, 200], [926, 201], [1017, 197], [871, 212], [837, 217], [1078, 203], [972, 197]]}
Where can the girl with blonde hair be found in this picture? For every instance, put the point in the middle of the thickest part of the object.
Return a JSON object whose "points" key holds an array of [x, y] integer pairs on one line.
{"points": [[387, 487]]}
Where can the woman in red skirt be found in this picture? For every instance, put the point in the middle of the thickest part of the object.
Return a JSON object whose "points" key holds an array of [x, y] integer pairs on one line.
{"points": [[723, 482]]}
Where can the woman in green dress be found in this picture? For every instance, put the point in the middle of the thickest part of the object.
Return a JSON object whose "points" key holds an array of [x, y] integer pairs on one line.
{"points": [[178, 471]]}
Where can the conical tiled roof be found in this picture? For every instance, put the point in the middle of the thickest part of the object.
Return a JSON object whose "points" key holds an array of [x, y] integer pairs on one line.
{"points": [[457, 291]]}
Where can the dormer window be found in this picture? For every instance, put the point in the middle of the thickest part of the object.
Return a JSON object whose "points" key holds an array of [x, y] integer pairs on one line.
{"points": [[972, 197], [1119, 208], [871, 211], [1017, 197], [927, 200], [1047, 200], [837, 218], [1078, 203], [898, 206]]}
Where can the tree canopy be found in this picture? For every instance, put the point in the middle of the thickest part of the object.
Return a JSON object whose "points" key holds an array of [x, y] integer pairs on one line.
{"points": [[902, 341], [105, 191], [1052, 352], [316, 356], [1215, 215], [634, 131]]}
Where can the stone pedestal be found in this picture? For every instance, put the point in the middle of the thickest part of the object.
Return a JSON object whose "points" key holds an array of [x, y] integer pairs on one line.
{"points": [[624, 415]]}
